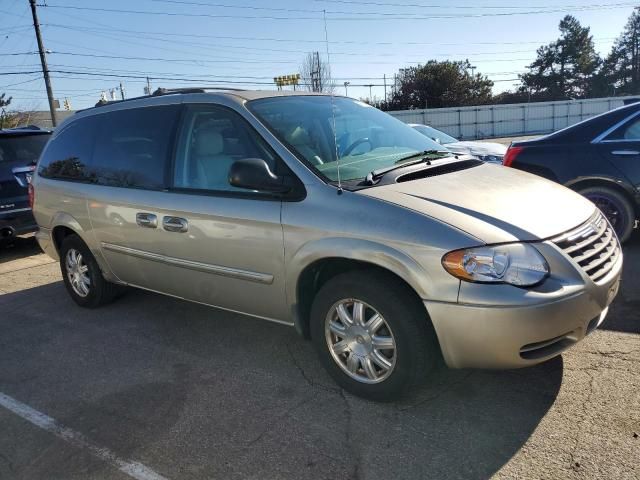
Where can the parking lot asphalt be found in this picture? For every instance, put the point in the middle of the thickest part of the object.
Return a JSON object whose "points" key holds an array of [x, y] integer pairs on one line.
{"points": [[192, 392]]}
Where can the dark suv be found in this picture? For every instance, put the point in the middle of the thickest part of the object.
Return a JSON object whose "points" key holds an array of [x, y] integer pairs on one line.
{"points": [[19, 152]]}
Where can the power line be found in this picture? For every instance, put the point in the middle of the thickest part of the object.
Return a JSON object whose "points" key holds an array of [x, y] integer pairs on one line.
{"points": [[224, 47], [244, 61], [361, 16], [296, 40], [462, 7], [299, 10], [21, 83]]}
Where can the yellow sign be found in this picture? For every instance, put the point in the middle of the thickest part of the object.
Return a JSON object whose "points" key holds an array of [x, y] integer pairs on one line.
{"points": [[287, 80]]}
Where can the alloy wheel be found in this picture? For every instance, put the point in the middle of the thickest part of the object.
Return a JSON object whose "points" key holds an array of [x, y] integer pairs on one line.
{"points": [[77, 272], [360, 341]]}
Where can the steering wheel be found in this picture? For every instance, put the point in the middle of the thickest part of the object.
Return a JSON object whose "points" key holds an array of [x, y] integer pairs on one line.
{"points": [[359, 141]]}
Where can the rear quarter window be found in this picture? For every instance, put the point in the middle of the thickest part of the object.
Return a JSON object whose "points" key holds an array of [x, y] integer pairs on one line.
{"points": [[123, 148], [68, 154]]}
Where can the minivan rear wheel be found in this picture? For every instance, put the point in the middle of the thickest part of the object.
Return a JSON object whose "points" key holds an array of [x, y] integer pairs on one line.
{"points": [[618, 210], [82, 276], [372, 335]]}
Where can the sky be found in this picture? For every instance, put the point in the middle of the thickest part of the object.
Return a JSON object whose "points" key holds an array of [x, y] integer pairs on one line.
{"points": [[95, 45]]}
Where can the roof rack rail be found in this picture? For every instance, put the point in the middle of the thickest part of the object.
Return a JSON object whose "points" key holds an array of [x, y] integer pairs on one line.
{"points": [[168, 91]]}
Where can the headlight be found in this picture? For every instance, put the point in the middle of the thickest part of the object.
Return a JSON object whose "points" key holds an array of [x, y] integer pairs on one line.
{"points": [[518, 264], [490, 158]]}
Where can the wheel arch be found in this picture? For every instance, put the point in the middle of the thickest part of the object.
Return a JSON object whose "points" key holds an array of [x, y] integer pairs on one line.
{"points": [[317, 263], [64, 225], [615, 184]]}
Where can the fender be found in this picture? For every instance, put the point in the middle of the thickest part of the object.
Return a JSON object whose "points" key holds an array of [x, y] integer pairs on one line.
{"points": [[367, 251], [62, 219]]}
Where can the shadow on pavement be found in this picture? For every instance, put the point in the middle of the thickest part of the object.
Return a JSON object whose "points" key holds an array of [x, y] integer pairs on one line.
{"points": [[201, 393], [19, 247]]}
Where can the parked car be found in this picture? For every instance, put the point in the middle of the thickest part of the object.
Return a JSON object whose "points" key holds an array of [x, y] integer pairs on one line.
{"points": [[387, 256], [19, 152], [485, 151], [599, 158]]}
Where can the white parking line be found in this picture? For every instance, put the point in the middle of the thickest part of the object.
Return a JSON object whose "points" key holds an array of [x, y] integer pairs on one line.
{"points": [[133, 469]]}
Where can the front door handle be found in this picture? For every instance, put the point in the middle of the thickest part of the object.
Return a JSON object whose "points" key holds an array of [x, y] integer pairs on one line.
{"points": [[175, 224], [625, 152], [148, 220]]}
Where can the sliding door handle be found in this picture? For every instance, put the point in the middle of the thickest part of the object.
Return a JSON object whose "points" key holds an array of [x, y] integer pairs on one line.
{"points": [[148, 220], [175, 224]]}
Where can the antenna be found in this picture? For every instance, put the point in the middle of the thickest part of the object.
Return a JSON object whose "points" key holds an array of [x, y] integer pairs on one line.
{"points": [[333, 112]]}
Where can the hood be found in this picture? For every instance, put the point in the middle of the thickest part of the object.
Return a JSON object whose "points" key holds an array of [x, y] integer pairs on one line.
{"points": [[478, 148], [492, 203]]}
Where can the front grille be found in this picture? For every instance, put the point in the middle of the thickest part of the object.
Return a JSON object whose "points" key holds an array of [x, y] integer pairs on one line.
{"points": [[593, 245]]}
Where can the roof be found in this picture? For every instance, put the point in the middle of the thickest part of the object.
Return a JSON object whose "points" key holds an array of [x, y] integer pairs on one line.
{"points": [[219, 91], [257, 94]]}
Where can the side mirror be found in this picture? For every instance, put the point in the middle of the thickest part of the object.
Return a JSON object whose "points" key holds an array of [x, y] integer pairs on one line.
{"points": [[255, 174]]}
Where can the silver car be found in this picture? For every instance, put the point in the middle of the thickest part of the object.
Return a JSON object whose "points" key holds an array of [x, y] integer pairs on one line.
{"points": [[486, 151], [325, 214]]}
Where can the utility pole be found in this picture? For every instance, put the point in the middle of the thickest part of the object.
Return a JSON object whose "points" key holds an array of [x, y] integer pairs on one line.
{"points": [[384, 77], [121, 91], [43, 61], [370, 97], [148, 86], [316, 80]]}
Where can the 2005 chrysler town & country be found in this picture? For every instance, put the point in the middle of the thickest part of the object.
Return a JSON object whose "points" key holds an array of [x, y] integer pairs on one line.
{"points": [[326, 214]]}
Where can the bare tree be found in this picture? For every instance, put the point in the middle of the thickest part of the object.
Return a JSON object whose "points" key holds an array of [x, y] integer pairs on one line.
{"points": [[4, 101], [316, 74], [15, 118]]}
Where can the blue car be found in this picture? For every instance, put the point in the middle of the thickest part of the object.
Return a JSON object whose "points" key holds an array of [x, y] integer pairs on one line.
{"points": [[19, 151]]}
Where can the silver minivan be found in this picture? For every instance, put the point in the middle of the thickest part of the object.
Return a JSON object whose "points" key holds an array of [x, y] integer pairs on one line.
{"points": [[323, 213]]}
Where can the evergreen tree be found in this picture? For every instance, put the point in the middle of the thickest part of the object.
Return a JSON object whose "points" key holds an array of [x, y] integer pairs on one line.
{"points": [[565, 68], [621, 68]]}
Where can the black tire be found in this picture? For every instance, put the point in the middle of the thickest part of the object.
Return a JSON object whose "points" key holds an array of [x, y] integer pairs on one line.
{"points": [[100, 291], [615, 206], [416, 345]]}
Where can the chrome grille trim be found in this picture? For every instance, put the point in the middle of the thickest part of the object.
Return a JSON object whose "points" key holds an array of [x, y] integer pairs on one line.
{"points": [[593, 246], [604, 243]]}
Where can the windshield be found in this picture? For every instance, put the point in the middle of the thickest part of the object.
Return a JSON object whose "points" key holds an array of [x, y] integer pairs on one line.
{"points": [[434, 134], [366, 138], [25, 149]]}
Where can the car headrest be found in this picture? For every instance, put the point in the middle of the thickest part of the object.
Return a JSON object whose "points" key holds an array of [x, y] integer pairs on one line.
{"points": [[299, 136], [209, 142]]}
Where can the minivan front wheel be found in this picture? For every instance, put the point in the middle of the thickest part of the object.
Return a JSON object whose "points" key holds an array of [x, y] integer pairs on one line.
{"points": [[360, 341], [372, 335], [82, 276]]}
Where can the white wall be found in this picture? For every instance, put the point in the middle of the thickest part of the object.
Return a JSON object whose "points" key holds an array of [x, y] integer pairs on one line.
{"points": [[491, 121]]}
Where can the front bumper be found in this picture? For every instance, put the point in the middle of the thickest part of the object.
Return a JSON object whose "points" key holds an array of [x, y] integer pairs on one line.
{"points": [[513, 336]]}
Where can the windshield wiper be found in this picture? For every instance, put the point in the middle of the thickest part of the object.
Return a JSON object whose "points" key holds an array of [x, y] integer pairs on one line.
{"points": [[402, 162], [424, 153]]}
